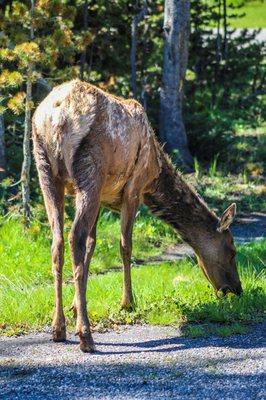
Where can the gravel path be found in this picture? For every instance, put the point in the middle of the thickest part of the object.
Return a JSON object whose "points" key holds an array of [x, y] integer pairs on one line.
{"points": [[139, 362], [250, 227]]}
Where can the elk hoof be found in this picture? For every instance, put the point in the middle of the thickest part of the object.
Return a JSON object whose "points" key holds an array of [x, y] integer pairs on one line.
{"points": [[86, 344], [59, 334]]}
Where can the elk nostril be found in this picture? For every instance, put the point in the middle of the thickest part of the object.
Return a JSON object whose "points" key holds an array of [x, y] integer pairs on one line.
{"points": [[225, 290]]}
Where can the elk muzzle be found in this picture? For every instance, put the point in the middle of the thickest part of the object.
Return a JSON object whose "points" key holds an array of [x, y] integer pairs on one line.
{"points": [[223, 291]]}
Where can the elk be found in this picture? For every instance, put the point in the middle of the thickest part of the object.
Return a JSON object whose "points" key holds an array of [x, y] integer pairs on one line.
{"points": [[102, 149]]}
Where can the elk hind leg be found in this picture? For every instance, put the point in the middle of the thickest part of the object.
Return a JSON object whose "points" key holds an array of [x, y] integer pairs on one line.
{"points": [[90, 246], [59, 326], [87, 207], [53, 194]]}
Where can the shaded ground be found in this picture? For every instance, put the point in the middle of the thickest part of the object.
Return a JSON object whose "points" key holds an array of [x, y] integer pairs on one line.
{"points": [[249, 228], [139, 362]]}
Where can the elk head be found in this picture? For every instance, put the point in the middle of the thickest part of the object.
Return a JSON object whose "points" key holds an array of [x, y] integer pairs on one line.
{"points": [[216, 256]]}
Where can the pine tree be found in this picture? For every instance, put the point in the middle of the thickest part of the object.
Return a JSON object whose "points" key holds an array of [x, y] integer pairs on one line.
{"points": [[36, 39]]}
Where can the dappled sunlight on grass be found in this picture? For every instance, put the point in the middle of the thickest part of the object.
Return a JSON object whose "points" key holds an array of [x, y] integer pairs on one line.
{"points": [[219, 191], [255, 16]]}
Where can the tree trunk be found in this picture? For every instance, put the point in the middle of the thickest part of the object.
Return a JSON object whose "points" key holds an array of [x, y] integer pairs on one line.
{"points": [[2, 148], [176, 36], [84, 54], [217, 57], [25, 171], [134, 41], [143, 72], [225, 44]]}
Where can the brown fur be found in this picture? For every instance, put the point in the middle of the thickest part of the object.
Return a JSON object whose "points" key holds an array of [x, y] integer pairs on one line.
{"points": [[101, 149]]}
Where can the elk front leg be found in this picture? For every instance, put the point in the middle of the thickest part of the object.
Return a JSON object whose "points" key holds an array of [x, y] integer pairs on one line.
{"points": [[128, 213], [87, 209]]}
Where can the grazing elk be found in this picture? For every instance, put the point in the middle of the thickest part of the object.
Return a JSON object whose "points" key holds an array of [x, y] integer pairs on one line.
{"points": [[103, 150]]}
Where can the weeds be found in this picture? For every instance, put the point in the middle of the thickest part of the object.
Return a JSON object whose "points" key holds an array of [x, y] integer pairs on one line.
{"points": [[213, 167], [197, 168]]}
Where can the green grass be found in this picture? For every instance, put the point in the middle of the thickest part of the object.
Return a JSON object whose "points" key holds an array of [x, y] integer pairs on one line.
{"points": [[255, 16], [251, 15], [171, 293], [219, 190], [31, 248]]}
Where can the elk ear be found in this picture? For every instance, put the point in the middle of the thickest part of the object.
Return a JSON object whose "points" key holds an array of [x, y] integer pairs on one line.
{"points": [[227, 218]]}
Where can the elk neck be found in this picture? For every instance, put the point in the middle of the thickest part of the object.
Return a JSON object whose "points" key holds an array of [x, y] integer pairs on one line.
{"points": [[175, 202]]}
